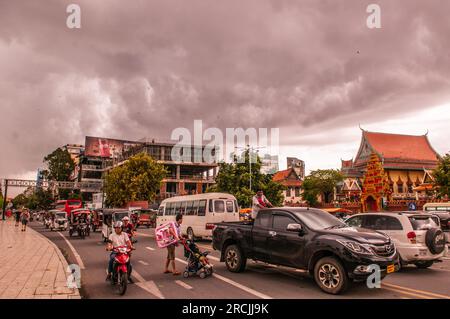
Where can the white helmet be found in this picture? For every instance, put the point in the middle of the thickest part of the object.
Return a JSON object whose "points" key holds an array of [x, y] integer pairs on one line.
{"points": [[126, 218], [118, 224]]}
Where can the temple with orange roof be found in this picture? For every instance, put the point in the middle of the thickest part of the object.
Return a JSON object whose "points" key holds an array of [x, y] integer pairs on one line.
{"points": [[389, 167]]}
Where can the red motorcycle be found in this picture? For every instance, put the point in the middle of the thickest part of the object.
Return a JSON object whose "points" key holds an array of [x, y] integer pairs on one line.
{"points": [[121, 269]]}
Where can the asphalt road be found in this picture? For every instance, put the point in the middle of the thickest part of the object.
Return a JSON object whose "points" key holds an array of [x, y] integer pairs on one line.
{"points": [[258, 281]]}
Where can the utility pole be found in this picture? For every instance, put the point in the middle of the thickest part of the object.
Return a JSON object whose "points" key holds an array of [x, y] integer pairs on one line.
{"points": [[5, 199], [250, 150]]}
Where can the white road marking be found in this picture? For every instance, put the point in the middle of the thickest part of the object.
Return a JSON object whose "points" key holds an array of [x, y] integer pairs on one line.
{"points": [[183, 284], [143, 262], [213, 258], [144, 235], [149, 248], [75, 253], [237, 285], [148, 286]]}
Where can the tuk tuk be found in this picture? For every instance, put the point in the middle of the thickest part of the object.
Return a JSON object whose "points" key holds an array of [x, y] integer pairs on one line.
{"points": [[79, 222], [144, 217], [59, 221], [97, 219], [110, 216]]}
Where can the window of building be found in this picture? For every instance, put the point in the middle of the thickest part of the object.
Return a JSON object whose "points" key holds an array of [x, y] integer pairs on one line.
{"points": [[288, 192]]}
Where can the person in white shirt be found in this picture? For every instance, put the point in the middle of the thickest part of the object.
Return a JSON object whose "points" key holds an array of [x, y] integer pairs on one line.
{"points": [[259, 202], [116, 239]]}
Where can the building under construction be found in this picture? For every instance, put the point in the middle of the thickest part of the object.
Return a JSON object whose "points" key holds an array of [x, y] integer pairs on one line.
{"points": [[191, 175]]}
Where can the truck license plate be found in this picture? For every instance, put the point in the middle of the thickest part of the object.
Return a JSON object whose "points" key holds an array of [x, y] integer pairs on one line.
{"points": [[390, 269]]}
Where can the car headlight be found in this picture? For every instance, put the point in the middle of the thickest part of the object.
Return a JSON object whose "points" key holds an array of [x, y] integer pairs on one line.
{"points": [[356, 247]]}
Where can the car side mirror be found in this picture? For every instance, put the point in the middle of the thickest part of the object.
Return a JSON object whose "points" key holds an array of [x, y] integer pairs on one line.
{"points": [[295, 228]]}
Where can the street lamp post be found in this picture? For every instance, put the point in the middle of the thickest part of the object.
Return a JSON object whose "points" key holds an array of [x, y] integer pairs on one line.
{"points": [[250, 150], [4, 200]]}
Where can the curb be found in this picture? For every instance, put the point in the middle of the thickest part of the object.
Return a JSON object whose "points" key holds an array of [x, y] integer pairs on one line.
{"points": [[61, 258]]}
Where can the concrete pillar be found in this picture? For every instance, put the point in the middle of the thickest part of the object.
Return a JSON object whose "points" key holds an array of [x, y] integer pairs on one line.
{"points": [[181, 188], [178, 172]]}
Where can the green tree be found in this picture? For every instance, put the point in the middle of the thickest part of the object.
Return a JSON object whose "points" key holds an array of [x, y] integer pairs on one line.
{"points": [[137, 179], [442, 176], [234, 178], [40, 199], [20, 200], [321, 182], [59, 165]]}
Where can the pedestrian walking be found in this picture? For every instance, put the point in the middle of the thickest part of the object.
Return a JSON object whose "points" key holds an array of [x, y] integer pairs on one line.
{"points": [[171, 248], [259, 202], [17, 214], [25, 217]]}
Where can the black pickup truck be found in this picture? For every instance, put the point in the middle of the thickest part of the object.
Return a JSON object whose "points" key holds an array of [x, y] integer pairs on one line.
{"points": [[306, 238]]}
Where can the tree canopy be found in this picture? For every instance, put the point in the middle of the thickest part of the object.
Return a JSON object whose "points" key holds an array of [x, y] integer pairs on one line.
{"points": [[442, 176], [138, 179], [59, 165], [234, 178], [321, 182], [34, 199]]}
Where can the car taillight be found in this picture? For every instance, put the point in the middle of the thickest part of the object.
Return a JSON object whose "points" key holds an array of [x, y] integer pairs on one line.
{"points": [[412, 237], [210, 226]]}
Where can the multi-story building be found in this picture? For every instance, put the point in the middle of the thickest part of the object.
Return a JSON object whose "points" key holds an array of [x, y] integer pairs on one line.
{"points": [[298, 165], [186, 175]]}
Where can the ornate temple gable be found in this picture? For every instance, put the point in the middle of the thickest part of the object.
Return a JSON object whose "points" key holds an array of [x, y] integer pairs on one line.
{"points": [[427, 177], [365, 151]]}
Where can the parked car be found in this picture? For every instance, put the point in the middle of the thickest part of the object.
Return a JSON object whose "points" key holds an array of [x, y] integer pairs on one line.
{"points": [[417, 235], [310, 239]]}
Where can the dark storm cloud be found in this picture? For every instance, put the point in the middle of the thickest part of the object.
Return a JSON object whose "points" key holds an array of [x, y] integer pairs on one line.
{"points": [[143, 68]]}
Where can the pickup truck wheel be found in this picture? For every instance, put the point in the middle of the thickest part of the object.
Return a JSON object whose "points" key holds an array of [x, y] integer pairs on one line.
{"points": [[235, 259], [424, 264], [331, 276]]}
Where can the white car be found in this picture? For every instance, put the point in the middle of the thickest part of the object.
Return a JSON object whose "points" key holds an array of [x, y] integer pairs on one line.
{"points": [[418, 237]]}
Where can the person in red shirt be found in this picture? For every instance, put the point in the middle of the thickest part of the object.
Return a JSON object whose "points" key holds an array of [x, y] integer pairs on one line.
{"points": [[128, 227]]}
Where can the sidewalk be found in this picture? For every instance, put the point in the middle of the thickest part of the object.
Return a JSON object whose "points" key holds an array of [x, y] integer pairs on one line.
{"points": [[31, 266]]}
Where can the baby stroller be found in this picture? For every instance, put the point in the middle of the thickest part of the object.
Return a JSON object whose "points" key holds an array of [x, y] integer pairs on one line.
{"points": [[198, 263]]}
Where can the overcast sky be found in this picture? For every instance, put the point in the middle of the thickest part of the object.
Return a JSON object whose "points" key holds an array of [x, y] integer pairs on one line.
{"points": [[142, 68]]}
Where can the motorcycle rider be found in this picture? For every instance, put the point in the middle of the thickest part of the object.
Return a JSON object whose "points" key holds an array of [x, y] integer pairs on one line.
{"points": [[128, 227], [116, 239]]}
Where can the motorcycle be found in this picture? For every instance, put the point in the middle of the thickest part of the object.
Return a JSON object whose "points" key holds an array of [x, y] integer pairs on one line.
{"points": [[121, 269], [83, 230], [47, 222]]}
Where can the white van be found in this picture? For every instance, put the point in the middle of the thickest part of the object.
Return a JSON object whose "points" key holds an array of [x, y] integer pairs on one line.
{"points": [[200, 212]]}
